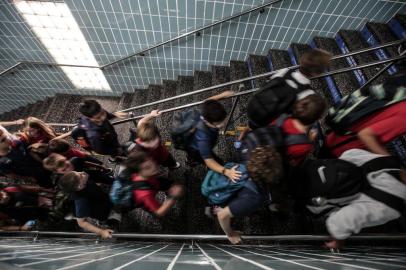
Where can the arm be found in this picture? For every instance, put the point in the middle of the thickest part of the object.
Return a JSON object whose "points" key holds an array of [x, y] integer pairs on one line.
{"points": [[175, 192], [148, 117], [12, 123], [35, 189], [225, 94], [104, 233], [368, 137], [232, 173], [224, 217], [63, 136], [121, 115]]}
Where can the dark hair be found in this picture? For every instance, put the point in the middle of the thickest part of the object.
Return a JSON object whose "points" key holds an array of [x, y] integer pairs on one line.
{"points": [[309, 109], [315, 61], [213, 111], [68, 182], [135, 159], [58, 146], [90, 108], [265, 165]]}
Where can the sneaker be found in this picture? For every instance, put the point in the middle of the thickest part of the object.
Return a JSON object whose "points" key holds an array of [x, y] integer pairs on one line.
{"points": [[114, 216], [69, 216], [117, 159], [177, 166]]}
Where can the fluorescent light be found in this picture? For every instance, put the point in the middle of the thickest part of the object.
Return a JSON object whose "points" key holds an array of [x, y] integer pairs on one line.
{"points": [[55, 26]]}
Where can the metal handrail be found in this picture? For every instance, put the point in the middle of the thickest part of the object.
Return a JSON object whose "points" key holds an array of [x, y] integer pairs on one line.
{"points": [[362, 237], [343, 70], [140, 53], [393, 43], [338, 71]]}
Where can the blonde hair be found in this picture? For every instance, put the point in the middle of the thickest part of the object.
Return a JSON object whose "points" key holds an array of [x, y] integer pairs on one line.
{"points": [[34, 122], [147, 132]]}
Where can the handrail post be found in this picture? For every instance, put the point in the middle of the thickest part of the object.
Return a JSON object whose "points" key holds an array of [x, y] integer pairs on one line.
{"points": [[240, 88]]}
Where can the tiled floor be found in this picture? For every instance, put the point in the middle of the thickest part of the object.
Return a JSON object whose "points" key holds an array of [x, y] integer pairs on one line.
{"points": [[86, 254]]}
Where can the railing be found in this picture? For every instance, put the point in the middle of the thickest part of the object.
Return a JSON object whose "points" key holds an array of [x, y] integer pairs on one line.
{"points": [[143, 51], [368, 237], [245, 92]]}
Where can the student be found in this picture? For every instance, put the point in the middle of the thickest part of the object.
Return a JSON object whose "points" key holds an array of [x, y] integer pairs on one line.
{"points": [[59, 164], [305, 113], [98, 131], [372, 132], [144, 173], [204, 139], [91, 202], [292, 133], [23, 203], [36, 131], [15, 160], [285, 88], [265, 169], [149, 140], [381, 201], [62, 147]]}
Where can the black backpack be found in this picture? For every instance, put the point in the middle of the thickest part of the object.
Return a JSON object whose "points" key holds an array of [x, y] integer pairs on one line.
{"points": [[272, 135], [364, 102], [183, 127], [327, 178], [273, 99]]}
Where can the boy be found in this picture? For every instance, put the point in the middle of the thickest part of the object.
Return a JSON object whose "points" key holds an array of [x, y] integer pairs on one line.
{"points": [[149, 140], [264, 168], [200, 150], [59, 164], [143, 171], [91, 202], [285, 88], [99, 132], [382, 200]]}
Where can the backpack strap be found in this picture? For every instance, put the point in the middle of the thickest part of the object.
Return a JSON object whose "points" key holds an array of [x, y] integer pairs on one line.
{"points": [[390, 200]]}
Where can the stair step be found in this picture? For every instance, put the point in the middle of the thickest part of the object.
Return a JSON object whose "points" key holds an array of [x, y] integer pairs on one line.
{"points": [[354, 41], [401, 18], [239, 70], [319, 85], [345, 82], [202, 79], [258, 64], [279, 59]]}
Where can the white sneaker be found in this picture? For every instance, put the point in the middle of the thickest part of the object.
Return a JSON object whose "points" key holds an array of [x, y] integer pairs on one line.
{"points": [[114, 215]]}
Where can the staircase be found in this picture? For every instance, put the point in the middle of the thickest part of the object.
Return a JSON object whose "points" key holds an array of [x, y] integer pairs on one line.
{"points": [[188, 216]]}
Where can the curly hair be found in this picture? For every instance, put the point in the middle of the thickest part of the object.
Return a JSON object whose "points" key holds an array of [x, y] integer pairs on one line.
{"points": [[265, 165]]}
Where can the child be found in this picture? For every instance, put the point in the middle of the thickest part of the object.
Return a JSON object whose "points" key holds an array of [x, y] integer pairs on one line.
{"points": [[59, 164], [99, 132], [143, 171], [149, 140], [91, 202], [200, 149], [264, 168]]}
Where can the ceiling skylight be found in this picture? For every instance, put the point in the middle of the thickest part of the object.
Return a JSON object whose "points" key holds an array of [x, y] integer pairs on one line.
{"points": [[58, 31]]}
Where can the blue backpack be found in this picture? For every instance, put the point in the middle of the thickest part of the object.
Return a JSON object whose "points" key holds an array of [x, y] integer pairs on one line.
{"points": [[218, 188], [121, 192]]}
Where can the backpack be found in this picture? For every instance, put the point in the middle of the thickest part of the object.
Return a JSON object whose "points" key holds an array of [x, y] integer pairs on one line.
{"points": [[327, 178], [218, 188], [183, 127], [364, 102], [272, 135], [273, 99], [121, 191]]}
